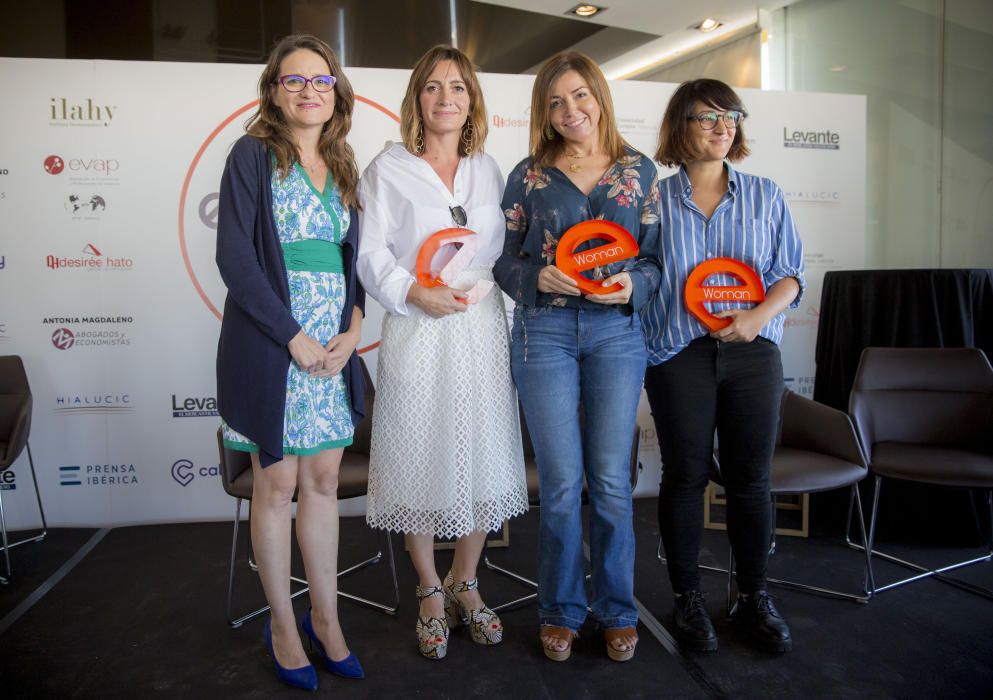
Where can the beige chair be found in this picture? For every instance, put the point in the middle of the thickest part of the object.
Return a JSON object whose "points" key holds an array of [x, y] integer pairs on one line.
{"points": [[15, 428], [236, 477], [926, 415]]}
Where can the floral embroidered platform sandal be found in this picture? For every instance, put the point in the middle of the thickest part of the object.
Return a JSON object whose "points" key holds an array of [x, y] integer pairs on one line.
{"points": [[432, 632], [484, 625]]}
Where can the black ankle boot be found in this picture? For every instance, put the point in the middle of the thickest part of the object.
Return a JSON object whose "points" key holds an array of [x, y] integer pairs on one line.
{"points": [[757, 615], [693, 626]]}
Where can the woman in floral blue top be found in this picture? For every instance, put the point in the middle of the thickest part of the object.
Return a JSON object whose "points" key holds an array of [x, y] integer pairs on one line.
{"points": [[574, 352]]}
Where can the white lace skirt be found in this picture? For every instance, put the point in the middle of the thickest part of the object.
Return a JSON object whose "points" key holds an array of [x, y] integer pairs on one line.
{"points": [[445, 456]]}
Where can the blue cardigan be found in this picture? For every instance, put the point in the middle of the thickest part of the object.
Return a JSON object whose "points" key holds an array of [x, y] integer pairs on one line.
{"points": [[252, 353]]}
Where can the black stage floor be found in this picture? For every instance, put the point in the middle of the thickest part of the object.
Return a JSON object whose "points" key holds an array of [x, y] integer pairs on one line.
{"points": [[139, 612]]}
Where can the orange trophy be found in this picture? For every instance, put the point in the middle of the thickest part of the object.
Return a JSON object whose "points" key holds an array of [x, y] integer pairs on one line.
{"points": [[621, 245], [696, 293], [443, 256]]}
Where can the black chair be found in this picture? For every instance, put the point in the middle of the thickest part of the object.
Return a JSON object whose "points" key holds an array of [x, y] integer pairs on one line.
{"points": [[816, 450], [531, 476], [353, 475], [926, 415], [15, 428]]}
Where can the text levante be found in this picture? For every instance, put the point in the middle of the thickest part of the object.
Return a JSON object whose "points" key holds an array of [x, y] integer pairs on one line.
{"points": [[826, 137]]}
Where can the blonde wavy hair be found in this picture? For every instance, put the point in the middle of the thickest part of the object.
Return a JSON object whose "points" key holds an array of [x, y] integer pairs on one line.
{"points": [[269, 125], [546, 143], [412, 121]]}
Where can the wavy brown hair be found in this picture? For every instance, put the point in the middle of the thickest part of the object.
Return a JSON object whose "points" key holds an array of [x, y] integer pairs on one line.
{"points": [[269, 125], [411, 119], [675, 145], [546, 143]]}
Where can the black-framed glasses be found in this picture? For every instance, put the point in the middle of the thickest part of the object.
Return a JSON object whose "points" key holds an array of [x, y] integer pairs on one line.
{"points": [[459, 217], [296, 83], [708, 120]]}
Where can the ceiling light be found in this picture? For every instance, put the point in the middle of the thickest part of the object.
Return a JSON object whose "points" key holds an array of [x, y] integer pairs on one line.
{"points": [[585, 11], [708, 25]]}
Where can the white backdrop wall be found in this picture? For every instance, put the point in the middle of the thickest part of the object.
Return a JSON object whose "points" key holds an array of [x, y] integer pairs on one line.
{"points": [[108, 289]]}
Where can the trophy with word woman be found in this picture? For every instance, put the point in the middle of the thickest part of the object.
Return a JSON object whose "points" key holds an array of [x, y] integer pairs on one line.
{"points": [[620, 245], [696, 293]]}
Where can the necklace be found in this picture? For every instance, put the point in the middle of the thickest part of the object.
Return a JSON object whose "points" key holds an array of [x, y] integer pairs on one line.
{"points": [[575, 166]]}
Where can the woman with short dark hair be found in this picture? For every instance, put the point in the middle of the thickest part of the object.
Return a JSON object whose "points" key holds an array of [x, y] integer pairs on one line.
{"points": [[730, 379]]}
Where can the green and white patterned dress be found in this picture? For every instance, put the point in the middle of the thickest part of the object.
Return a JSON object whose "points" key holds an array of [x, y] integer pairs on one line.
{"points": [[311, 226]]}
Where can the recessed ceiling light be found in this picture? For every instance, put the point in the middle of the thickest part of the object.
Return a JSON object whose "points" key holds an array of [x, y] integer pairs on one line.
{"points": [[585, 11], [838, 69], [708, 25]]}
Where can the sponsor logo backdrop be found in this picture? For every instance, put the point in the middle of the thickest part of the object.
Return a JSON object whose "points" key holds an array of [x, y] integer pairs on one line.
{"points": [[119, 174]]}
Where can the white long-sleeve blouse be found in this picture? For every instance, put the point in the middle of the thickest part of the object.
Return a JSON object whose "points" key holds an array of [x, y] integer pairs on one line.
{"points": [[404, 202]]}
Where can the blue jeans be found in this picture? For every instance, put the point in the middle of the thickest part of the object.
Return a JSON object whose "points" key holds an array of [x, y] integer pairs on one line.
{"points": [[562, 358]]}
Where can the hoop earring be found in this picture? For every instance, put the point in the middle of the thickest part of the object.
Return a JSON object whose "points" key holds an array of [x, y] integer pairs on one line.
{"points": [[468, 136], [419, 140]]}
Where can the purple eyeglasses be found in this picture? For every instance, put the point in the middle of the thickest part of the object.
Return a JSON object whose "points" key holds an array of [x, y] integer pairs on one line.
{"points": [[296, 83]]}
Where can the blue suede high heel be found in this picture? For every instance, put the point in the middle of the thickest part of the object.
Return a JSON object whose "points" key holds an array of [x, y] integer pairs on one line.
{"points": [[304, 677], [349, 667]]}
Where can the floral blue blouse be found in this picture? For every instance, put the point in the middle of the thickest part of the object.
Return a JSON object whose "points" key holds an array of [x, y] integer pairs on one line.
{"points": [[541, 204]]}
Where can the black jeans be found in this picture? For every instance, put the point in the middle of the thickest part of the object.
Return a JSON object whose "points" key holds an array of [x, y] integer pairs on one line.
{"points": [[735, 388]]}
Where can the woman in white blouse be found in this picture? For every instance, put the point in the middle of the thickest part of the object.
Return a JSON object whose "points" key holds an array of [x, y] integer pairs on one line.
{"points": [[446, 456]]}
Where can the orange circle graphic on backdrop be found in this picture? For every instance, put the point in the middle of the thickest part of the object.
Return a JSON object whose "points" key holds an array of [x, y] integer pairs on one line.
{"points": [[186, 186]]}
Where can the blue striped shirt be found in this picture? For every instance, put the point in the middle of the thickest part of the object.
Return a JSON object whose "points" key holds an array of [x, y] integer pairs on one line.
{"points": [[752, 223]]}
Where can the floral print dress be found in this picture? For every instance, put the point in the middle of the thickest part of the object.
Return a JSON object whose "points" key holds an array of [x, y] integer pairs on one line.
{"points": [[541, 204], [318, 413]]}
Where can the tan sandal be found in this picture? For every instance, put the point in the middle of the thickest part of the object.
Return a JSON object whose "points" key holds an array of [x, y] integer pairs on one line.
{"points": [[551, 636], [617, 634]]}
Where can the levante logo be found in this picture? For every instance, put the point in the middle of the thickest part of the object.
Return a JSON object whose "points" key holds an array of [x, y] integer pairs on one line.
{"points": [[194, 406], [824, 140], [64, 111]]}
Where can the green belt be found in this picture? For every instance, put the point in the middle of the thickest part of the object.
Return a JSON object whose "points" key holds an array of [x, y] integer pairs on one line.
{"points": [[313, 255]]}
